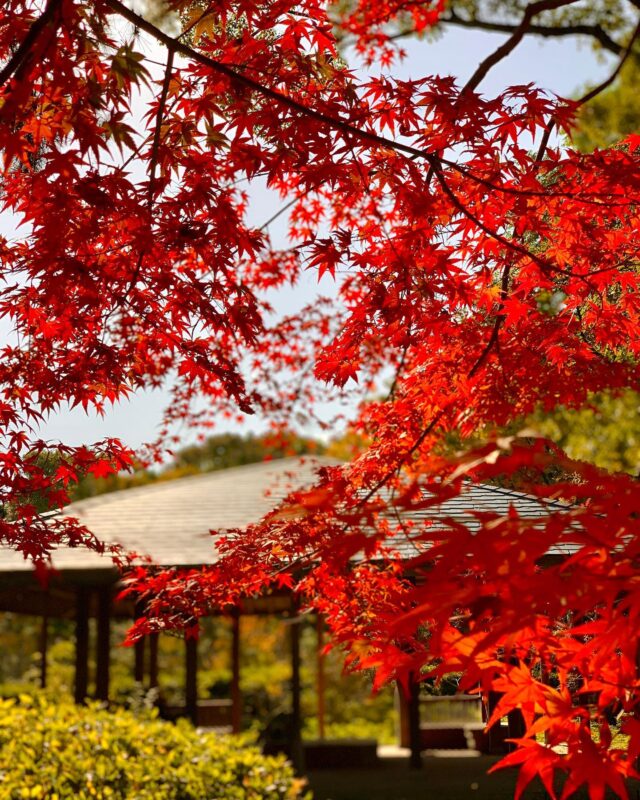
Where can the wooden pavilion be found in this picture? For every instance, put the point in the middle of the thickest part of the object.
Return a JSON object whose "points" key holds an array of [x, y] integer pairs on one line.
{"points": [[170, 522]]}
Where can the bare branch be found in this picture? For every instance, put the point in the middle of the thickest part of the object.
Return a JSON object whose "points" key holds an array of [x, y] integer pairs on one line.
{"points": [[590, 95], [608, 81], [513, 41], [596, 32]]}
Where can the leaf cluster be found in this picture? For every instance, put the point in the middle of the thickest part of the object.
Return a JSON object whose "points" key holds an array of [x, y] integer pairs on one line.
{"points": [[59, 750]]}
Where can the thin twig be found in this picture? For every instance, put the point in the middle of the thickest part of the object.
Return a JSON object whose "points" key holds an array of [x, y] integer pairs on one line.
{"points": [[153, 163], [158, 126], [499, 321]]}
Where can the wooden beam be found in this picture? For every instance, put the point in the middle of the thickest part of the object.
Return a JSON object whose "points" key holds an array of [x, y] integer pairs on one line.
{"points": [[236, 692], [191, 678], [296, 712], [81, 682], [320, 676], [415, 743], [103, 643], [153, 661]]}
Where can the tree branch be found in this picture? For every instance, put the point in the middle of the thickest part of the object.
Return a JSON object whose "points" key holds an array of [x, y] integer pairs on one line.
{"points": [[156, 134], [272, 94], [513, 41], [596, 32], [608, 81], [22, 52]]}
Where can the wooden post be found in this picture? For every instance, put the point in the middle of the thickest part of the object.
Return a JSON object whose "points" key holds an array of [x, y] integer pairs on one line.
{"points": [[153, 661], [415, 743], [320, 676], [191, 678], [296, 715], [103, 643], [44, 643], [81, 683], [138, 650], [516, 726], [236, 693], [494, 735]]}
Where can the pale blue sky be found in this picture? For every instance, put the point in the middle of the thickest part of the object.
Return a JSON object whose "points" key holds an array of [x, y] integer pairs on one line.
{"points": [[561, 66]]}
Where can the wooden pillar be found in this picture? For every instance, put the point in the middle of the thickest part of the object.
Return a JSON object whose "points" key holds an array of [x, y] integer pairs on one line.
{"points": [[320, 676], [44, 643], [81, 683], [515, 720], [153, 661], [236, 694], [103, 643], [517, 728], [191, 678], [636, 707], [415, 743], [494, 734], [138, 650], [296, 715]]}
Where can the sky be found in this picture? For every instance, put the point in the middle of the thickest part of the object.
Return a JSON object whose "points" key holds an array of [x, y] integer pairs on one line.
{"points": [[562, 66]]}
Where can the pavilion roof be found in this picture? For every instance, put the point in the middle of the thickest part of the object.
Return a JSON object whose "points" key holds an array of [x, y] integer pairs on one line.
{"points": [[170, 521]]}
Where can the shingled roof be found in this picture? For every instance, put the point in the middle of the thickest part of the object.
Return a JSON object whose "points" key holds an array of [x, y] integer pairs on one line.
{"points": [[170, 521]]}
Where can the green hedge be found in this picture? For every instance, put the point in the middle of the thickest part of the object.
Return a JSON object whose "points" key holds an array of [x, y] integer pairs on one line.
{"points": [[59, 751]]}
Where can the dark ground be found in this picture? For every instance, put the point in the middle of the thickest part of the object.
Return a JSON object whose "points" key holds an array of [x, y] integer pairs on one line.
{"points": [[447, 778]]}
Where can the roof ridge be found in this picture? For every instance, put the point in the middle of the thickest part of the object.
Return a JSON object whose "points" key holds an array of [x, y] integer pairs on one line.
{"points": [[157, 485]]}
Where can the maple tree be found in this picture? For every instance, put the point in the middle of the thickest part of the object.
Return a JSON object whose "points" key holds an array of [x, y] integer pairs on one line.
{"points": [[490, 268]]}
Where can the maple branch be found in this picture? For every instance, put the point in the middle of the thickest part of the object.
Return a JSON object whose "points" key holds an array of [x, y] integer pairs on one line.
{"points": [[152, 164], [540, 155], [596, 31], [585, 198], [279, 213], [272, 94], [499, 321], [545, 266], [513, 41], [399, 368], [20, 56], [157, 132], [544, 142], [433, 159], [590, 95], [406, 456]]}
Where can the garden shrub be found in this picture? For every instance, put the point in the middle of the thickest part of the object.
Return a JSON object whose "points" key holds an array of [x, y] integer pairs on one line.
{"points": [[59, 751]]}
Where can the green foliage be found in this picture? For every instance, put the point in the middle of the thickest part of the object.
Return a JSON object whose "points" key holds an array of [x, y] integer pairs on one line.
{"points": [[613, 115], [231, 450], [351, 709], [606, 432], [61, 751]]}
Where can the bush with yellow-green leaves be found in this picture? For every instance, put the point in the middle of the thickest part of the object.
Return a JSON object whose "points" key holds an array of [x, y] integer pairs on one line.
{"points": [[59, 751]]}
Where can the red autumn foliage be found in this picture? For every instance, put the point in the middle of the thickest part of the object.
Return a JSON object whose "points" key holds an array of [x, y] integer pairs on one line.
{"points": [[448, 218]]}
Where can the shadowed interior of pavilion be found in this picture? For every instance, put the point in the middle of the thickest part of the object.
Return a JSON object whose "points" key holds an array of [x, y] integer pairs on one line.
{"points": [[170, 522]]}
